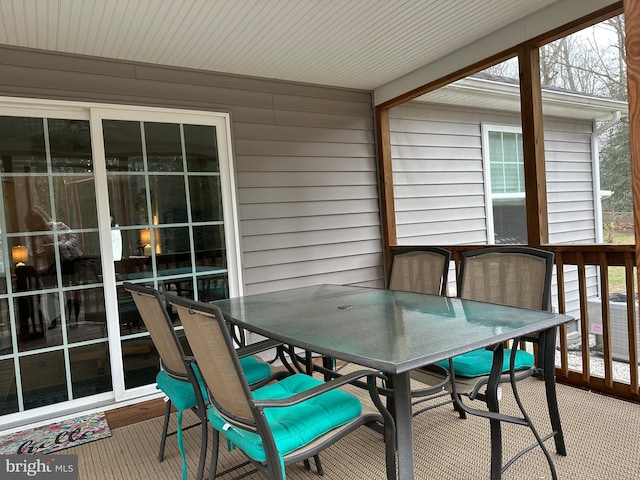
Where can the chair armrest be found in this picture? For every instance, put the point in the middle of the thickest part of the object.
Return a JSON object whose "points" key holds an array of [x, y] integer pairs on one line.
{"points": [[315, 391]]}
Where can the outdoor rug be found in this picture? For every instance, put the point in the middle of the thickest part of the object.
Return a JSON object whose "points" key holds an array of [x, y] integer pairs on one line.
{"points": [[56, 436]]}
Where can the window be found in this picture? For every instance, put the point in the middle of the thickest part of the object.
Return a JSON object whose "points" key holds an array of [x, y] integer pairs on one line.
{"points": [[505, 191]]}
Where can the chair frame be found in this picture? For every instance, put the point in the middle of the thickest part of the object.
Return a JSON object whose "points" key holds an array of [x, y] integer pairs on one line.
{"points": [[545, 370], [258, 424], [138, 290], [184, 374]]}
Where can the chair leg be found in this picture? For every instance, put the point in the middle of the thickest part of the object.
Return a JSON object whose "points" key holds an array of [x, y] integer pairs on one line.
{"points": [[319, 468], [214, 455], [203, 448], [165, 427]]}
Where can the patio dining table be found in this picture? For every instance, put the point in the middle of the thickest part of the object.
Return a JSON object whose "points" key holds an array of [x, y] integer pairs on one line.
{"points": [[390, 331]]}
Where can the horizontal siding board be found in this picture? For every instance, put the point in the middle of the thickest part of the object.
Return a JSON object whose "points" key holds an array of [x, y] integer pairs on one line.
{"points": [[561, 177], [434, 140], [573, 217], [300, 134], [323, 120], [438, 178], [416, 203], [570, 186], [561, 196], [438, 215], [315, 267], [299, 179], [402, 165], [554, 156], [297, 148], [448, 227], [568, 167], [478, 237], [269, 226], [412, 192], [303, 164], [567, 146], [576, 236], [307, 209], [307, 194], [442, 154], [321, 105], [340, 277], [570, 207], [307, 238], [399, 126], [309, 253]]}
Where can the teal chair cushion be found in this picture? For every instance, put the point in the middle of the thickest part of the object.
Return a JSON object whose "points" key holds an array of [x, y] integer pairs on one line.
{"points": [[478, 362], [255, 370], [180, 392], [294, 426]]}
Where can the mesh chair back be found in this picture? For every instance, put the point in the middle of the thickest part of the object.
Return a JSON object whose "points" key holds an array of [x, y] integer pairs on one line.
{"points": [[158, 323], [217, 360], [423, 270], [514, 276]]}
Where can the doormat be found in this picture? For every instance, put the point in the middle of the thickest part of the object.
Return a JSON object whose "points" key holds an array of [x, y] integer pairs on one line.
{"points": [[56, 436]]}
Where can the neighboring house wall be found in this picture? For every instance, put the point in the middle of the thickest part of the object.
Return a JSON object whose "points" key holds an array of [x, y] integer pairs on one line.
{"points": [[304, 157], [439, 181]]}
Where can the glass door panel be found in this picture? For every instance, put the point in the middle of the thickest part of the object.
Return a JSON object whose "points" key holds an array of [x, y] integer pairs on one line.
{"points": [[53, 305], [165, 199]]}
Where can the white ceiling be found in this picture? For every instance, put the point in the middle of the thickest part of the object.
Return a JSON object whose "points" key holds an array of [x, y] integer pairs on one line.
{"points": [[360, 44]]}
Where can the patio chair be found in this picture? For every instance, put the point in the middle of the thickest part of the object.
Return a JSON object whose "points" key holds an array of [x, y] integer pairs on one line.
{"points": [[173, 378], [278, 424], [420, 270], [514, 276]]}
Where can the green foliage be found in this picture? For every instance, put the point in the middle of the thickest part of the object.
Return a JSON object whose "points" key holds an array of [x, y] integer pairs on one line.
{"points": [[615, 169]]}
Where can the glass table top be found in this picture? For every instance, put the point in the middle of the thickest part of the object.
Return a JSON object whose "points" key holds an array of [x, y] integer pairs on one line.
{"points": [[387, 330]]}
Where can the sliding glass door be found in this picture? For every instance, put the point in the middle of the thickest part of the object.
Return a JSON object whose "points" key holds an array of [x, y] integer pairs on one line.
{"points": [[93, 197]]}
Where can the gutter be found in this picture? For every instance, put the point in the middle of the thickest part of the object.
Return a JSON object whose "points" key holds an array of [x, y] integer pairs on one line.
{"points": [[595, 161]]}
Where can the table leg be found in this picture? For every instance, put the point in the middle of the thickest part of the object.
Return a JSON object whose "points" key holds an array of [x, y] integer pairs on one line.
{"points": [[404, 425], [547, 343]]}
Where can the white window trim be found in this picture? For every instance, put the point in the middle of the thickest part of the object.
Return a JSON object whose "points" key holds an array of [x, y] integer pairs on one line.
{"points": [[486, 162]]}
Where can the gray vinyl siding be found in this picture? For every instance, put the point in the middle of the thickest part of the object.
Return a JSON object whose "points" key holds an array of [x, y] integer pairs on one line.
{"points": [[439, 183], [304, 157]]}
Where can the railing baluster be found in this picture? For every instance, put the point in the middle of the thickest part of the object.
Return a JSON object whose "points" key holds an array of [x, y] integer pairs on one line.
{"points": [[631, 321], [584, 318], [562, 308], [606, 320]]}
